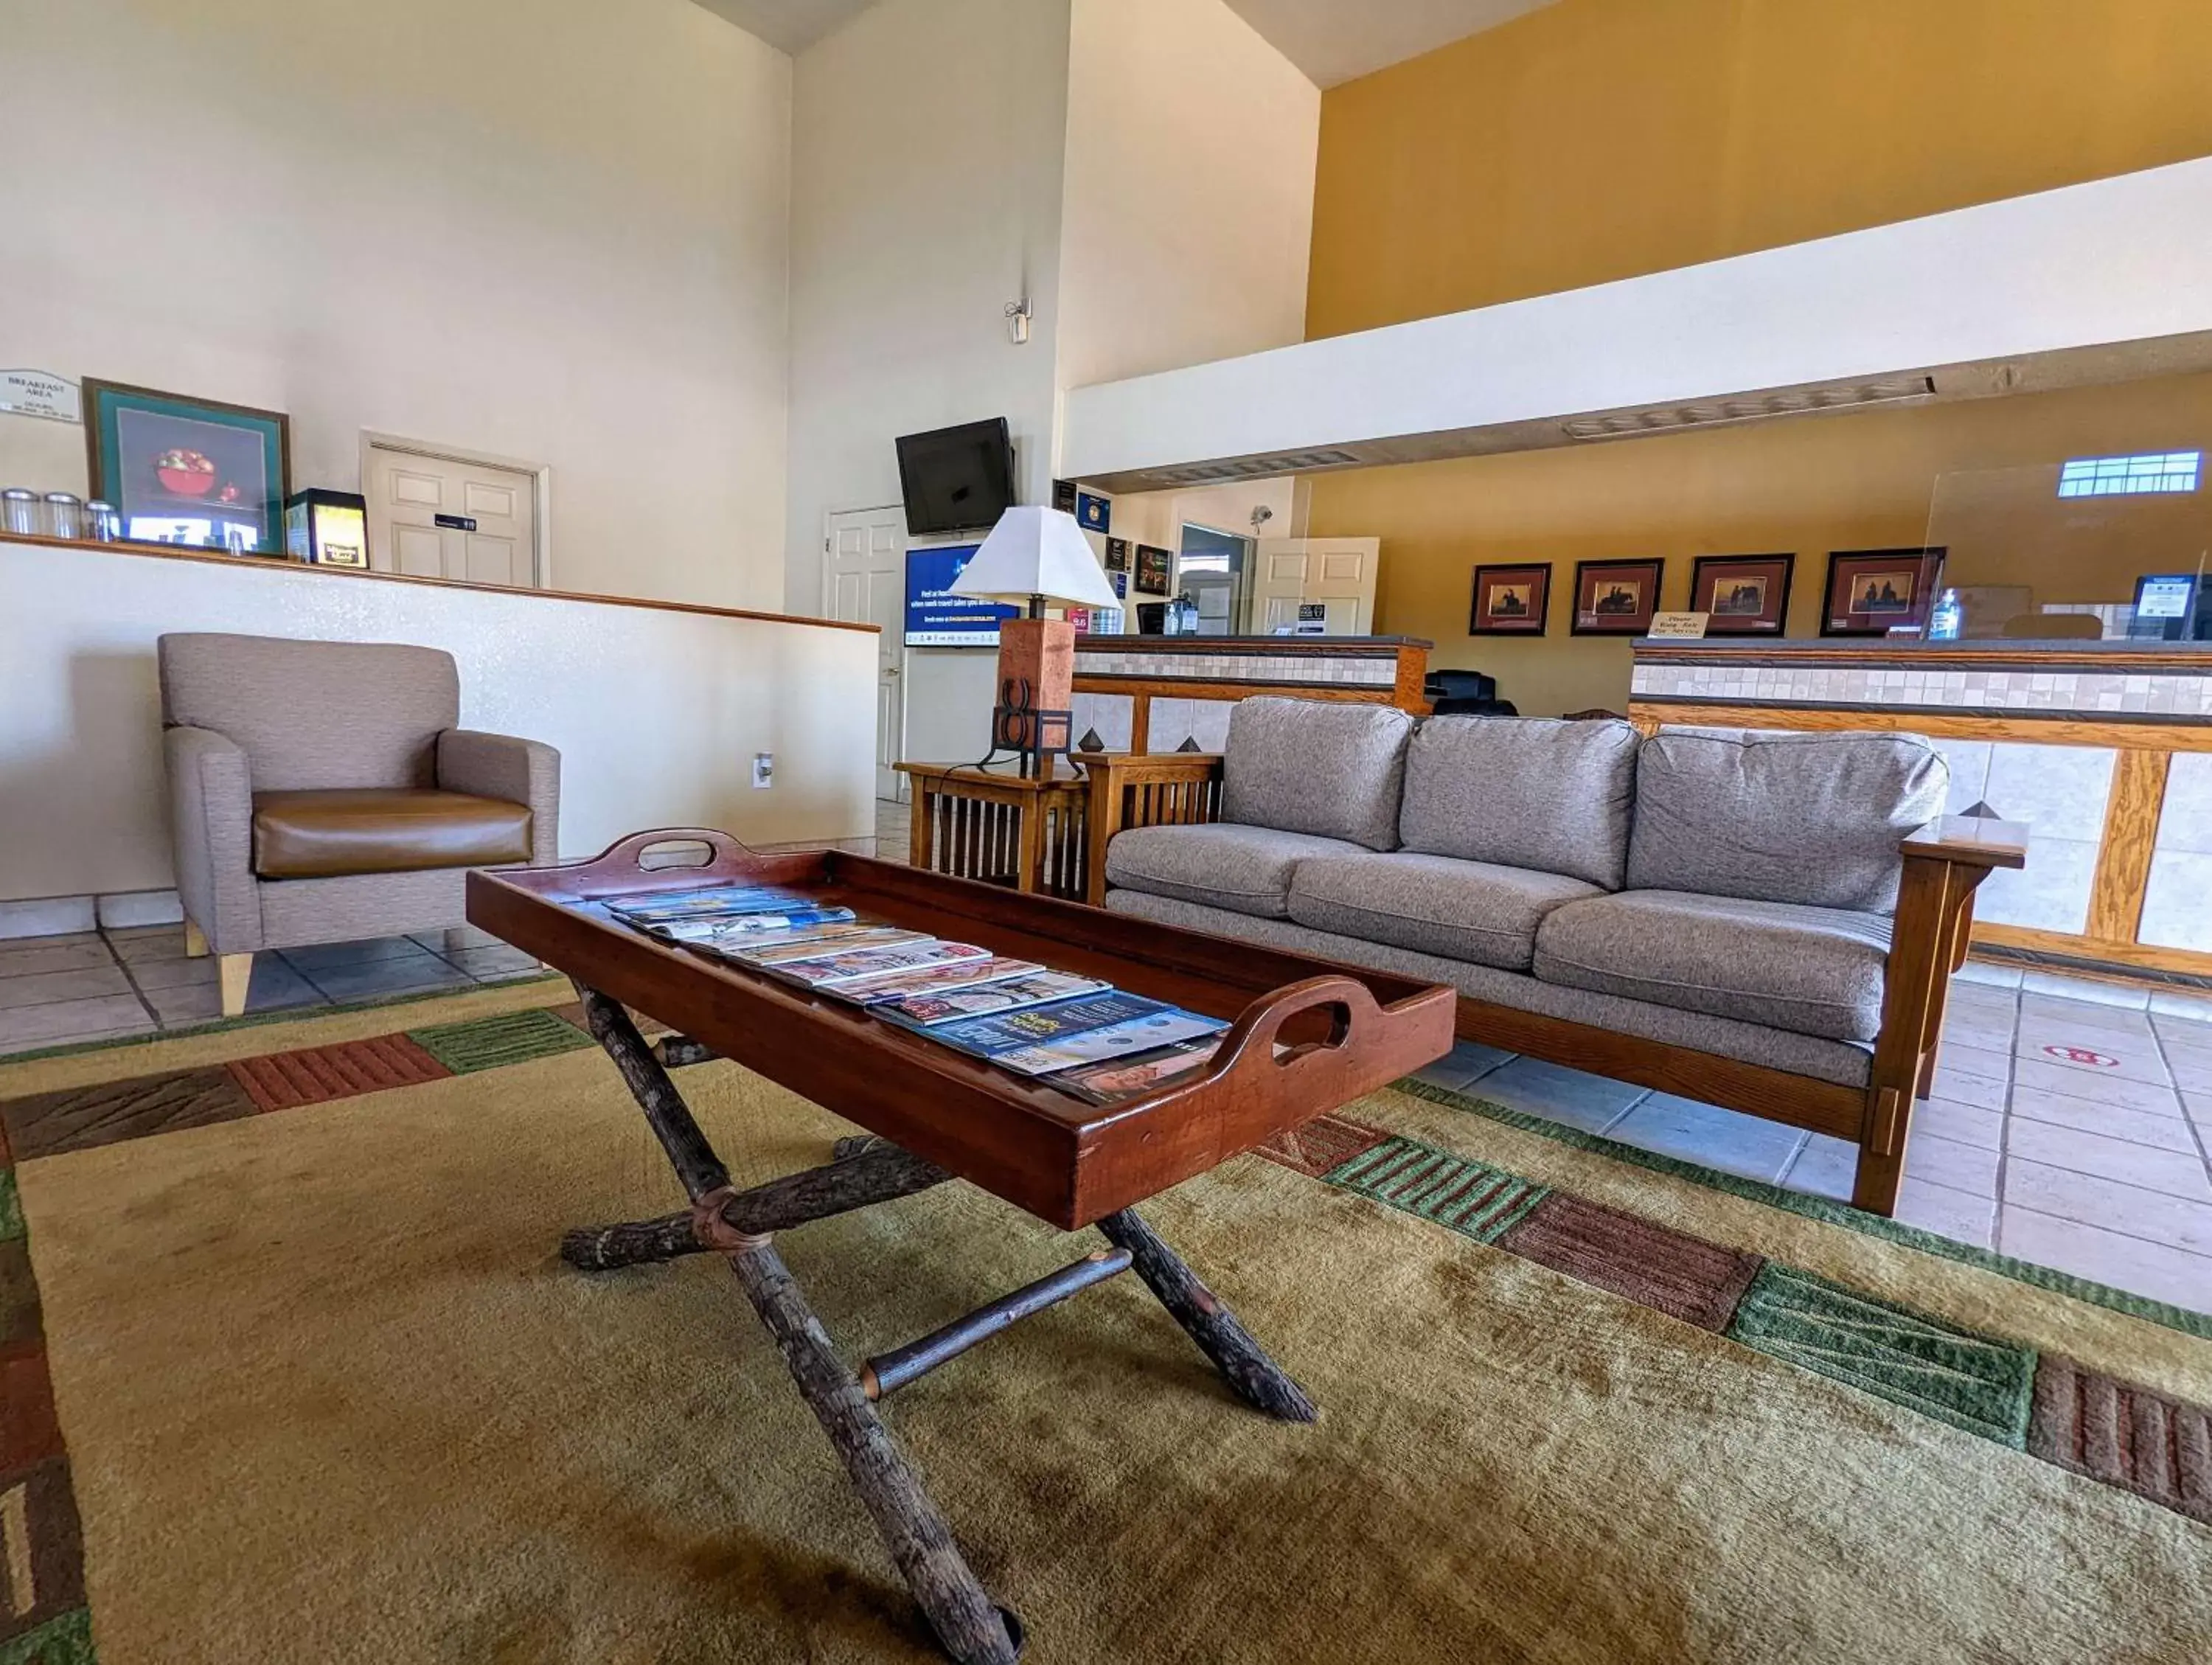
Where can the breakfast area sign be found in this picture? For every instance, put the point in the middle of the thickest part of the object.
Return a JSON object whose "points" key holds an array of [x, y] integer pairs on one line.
{"points": [[41, 394]]}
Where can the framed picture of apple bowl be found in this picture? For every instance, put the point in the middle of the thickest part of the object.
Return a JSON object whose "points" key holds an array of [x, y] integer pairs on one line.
{"points": [[1616, 598], [1871, 592], [1745, 595], [1511, 601], [189, 471]]}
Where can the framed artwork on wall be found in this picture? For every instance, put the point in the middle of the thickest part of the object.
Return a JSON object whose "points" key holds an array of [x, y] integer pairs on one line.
{"points": [[1746, 595], [1117, 554], [1155, 570], [1616, 598], [1511, 601], [1094, 513], [1874, 591], [1063, 495], [189, 471]]}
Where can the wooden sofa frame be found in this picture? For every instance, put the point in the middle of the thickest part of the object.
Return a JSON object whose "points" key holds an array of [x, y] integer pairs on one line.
{"points": [[1945, 863]]}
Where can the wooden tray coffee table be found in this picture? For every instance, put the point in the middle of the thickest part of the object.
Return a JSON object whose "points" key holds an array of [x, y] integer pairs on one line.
{"points": [[1306, 1037]]}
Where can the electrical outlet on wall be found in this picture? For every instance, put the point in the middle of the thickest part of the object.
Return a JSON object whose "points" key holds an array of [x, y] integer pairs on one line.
{"points": [[764, 769]]}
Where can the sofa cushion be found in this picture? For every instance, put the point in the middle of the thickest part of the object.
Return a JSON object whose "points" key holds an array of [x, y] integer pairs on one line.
{"points": [[1221, 865], [1333, 768], [1810, 970], [1845, 1063], [1812, 818], [1554, 797], [1464, 910], [321, 834]]}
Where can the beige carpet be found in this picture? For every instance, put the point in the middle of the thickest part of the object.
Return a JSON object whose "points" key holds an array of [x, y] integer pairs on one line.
{"points": [[328, 1397]]}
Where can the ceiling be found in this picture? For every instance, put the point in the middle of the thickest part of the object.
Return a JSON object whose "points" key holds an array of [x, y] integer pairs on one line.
{"points": [[1336, 40], [1331, 40]]}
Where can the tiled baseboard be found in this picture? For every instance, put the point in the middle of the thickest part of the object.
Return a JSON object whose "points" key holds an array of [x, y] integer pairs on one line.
{"points": [[63, 916]]}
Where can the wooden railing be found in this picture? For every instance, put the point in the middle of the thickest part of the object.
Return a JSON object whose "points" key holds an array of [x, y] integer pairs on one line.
{"points": [[1165, 789]]}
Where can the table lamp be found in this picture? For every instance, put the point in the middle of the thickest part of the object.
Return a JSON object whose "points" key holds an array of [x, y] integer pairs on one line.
{"points": [[1033, 556]]}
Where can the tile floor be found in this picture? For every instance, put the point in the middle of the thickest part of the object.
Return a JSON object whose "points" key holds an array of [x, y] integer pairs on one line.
{"points": [[2062, 1130], [106, 985]]}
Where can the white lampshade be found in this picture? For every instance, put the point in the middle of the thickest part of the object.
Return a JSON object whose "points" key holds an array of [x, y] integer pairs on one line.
{"points": [[1036, 551]]}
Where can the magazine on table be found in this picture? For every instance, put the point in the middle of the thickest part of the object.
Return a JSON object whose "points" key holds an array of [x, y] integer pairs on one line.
{"points": [[1154, 1028], [926, 1011], [708, 933], [1077, 1031], [830, 971], [815, 942], [1125, 1077], [918, 981], [647, 908]]}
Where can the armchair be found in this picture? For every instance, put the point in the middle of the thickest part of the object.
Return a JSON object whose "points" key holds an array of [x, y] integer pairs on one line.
{"points": [[320, 791]]}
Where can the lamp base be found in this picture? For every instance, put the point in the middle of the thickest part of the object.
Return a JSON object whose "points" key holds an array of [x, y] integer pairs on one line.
{"points": [[1036, 685]]}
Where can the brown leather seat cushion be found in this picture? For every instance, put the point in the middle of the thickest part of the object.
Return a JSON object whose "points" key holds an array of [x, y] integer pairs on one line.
{"points": [[320, 835]]}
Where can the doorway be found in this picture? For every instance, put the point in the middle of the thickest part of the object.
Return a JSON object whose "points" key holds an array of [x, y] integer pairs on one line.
{"points": [[1214, 569], [445, 514], [864, 583], [1325, 581]]}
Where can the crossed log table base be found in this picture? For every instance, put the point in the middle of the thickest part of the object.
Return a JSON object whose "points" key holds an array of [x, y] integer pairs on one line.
{"points": [[864, 1171]]}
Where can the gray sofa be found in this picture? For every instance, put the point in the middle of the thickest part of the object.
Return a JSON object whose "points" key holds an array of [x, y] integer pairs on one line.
{"points": [[1712, 912]]}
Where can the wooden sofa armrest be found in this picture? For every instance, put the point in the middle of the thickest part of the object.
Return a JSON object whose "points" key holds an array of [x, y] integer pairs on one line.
{"points": [[1945, 863], [1151, 789]]}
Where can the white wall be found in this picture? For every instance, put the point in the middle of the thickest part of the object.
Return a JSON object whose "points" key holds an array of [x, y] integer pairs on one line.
{"points": [[550, 229], [928, 143], [1191, 149], [657, 712]]}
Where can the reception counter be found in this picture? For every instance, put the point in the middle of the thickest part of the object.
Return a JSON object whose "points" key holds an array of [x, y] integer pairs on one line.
{"points": [[1153, 693], [657, 708], [2104, 748]]}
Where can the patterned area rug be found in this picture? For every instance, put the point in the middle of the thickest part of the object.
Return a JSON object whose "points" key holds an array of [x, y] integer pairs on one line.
{"points": [[291, 1374]]}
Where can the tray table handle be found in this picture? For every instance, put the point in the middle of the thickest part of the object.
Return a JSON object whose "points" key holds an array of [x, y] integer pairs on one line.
{"points": [[1354, 1013]]}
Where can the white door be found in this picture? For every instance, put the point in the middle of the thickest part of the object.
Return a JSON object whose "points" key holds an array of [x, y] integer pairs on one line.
{"points": [[439, 517], [864, 580], [1298, 575]]}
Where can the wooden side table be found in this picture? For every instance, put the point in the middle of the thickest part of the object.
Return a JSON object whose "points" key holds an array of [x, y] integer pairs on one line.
{"points": [[1002, 828]]}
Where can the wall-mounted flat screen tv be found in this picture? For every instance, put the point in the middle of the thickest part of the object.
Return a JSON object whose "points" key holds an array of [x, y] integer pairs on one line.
{"points": [[956, 479]]}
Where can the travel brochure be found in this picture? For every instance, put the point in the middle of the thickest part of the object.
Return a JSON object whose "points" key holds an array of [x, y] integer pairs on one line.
{"points": [[1089, 1038]]}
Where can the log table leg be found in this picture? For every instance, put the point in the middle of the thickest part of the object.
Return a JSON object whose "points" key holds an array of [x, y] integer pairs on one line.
{"points": [[972, 1629], [1257, 1379]]}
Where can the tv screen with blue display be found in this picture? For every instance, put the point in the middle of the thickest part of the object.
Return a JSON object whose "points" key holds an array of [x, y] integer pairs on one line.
{"points": [[935, 618]]}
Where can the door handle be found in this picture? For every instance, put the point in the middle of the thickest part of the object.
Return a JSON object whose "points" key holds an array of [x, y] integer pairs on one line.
{"points": [[890, 671]]}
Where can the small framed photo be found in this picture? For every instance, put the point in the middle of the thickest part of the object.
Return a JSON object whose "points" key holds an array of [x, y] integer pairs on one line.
{"points": [[1511, 601], [1746, 595], [189, 471], [1616, 598], [1155, 570], [1094, 513], [1063, 495], [1874, 591], [1117, 554], [1121, 583]]}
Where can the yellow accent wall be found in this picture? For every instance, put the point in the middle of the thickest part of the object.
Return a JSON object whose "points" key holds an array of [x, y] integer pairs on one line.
{"points": [[1601, 139]]}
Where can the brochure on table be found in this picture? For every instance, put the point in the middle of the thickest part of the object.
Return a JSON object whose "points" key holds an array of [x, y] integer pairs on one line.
{"points": [[1079, 1033]]}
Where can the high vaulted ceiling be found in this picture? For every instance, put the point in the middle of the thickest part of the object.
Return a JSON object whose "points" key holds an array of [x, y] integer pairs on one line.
{"points": [[1331, 40]]}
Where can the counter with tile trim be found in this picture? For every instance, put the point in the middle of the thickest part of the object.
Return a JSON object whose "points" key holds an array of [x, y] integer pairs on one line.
{"points": [[1153, 693], [2104, 748]]}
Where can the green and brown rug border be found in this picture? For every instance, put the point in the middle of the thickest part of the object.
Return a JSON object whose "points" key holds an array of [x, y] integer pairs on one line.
{"points": [[2031, 1400], [1827, 1211]]}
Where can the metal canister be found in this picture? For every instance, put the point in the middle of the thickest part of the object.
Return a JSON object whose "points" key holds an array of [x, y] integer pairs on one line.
{"points": [[103, 524], [64, 514], [19, 512]]}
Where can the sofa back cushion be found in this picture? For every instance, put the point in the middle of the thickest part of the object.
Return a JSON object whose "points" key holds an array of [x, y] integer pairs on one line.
{"points": [[1334, 768], [314, 715], [1814, 818], [1550, 796]]}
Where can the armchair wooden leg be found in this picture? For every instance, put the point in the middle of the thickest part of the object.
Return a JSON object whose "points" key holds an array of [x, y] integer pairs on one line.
{"points": [[235, 971], [196, 942]]}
